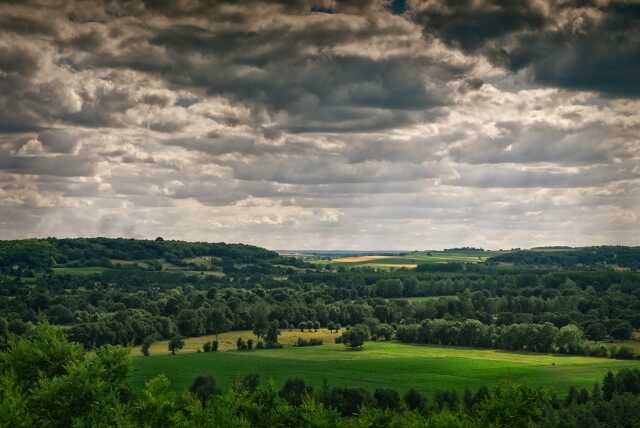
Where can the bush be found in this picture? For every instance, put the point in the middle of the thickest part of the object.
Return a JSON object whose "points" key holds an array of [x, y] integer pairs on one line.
{"points": [[250, 382], [294, 391], [387, 399], [347, 401], [204, 387], [415, 401], [622, 353], [309, 342]]}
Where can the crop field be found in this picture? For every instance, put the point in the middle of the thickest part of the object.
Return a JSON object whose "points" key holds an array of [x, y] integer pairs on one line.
{"points": [[382, 364], [411, 260], [358, 259]]}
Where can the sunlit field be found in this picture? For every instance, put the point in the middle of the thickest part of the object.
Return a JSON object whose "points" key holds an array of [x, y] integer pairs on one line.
{"points": [[382, 364]]}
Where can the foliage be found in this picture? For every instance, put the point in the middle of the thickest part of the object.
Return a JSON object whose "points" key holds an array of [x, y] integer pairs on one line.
{"points": [[176, 344], [356, 336], [76, 388]]}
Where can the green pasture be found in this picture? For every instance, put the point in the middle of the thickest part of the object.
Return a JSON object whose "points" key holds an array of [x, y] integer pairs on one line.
{"points": [[382, 364]]}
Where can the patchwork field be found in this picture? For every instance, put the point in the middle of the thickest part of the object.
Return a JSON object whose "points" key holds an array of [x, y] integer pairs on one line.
{"points": [[410, 260], [382, 364]]}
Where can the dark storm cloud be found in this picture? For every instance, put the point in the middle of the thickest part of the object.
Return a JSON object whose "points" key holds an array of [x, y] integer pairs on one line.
{"points": [[581, 45], [320, 123], [293, 68], [470, 24]]}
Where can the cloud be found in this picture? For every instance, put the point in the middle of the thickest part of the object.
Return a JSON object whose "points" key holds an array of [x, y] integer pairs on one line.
{"points": [[326, 124], [578, 45]]}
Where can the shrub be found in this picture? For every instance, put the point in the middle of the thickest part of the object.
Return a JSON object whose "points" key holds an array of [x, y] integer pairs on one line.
{"points": [[204, 387], [294, 391]]}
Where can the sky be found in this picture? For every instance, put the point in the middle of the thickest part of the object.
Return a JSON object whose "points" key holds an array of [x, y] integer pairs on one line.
{"points": [[297, 124]]}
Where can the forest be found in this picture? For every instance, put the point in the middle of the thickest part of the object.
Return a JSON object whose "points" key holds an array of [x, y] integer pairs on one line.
{"points": [[82, 323]]}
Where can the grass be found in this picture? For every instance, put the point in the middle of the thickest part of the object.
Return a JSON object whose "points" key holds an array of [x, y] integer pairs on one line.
{"points": [[227, 340], [382, 364]]}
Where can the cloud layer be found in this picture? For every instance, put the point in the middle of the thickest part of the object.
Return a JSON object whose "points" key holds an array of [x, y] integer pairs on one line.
{"points": [[322, 124]]}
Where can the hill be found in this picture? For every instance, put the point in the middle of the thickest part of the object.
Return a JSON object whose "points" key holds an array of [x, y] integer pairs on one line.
{"points": [[603, 256]]}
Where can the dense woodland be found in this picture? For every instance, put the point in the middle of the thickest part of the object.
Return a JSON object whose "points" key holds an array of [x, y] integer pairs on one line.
{"points": [[52, 312], [487, 305]]}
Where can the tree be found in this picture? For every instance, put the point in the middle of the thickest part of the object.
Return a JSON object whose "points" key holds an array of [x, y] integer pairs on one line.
{"points": [[191, 323], [206, 347], [146, 345], [514, 406], [204, 387], [596, 331], [217, 322], [60, 314], [176, 344], [570, 339], [355, 336], [48, 381], [385, 331], [272, 334], [622, 331], [260, 320], [240, 344]]}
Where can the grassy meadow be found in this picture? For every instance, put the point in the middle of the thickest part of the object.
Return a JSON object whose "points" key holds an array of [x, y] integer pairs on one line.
{"points": [[381, 364]]}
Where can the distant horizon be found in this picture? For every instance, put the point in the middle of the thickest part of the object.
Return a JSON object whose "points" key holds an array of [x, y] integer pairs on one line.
{"points": [[331, 250]]}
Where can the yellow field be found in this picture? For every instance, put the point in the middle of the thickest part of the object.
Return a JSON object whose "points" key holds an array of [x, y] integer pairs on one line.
{"points": [[227, 341], [395, 265], [356, 259]]}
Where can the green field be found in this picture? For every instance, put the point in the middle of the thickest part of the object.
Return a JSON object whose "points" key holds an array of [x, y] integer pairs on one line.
{"points": [[382, 364]]}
